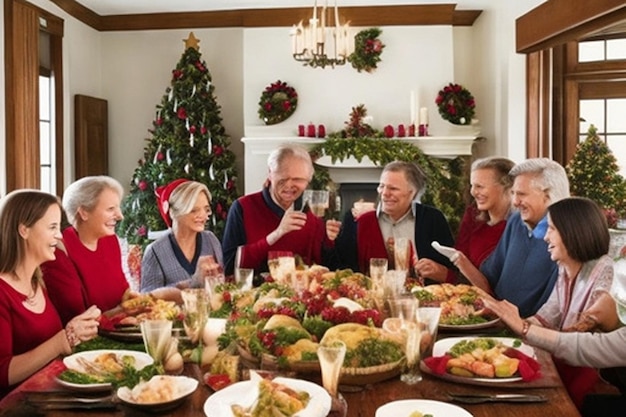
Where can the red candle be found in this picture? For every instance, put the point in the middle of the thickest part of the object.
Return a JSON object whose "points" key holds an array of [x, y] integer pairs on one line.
{"points": [[310, 130], [401, 131], [321, 131], [301, 130]]}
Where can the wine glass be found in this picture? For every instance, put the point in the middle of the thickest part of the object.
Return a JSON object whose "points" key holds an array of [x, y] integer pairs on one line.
{"points": [[196, 306], [331, 356], [156, 336]]}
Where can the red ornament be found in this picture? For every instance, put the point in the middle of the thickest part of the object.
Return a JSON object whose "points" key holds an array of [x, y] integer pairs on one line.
{"points": [[158, 121], [321, 131], [203, 130], [142, 185], [142, 231], [401, 131], [218, 150], [192, 129], [301, 130], [286, 105], [388, 130], [178, 74], [310, 130], [160, 156], [181, 113]]}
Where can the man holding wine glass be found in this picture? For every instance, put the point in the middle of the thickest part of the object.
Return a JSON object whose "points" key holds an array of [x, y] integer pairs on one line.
{"points": [[276, 218]]}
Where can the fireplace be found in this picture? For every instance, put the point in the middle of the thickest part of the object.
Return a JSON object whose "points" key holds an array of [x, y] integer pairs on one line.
{"points": [[349, 193]]}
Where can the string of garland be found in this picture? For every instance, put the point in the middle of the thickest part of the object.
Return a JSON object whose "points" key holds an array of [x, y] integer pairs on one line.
{"points": [[367, 50]]}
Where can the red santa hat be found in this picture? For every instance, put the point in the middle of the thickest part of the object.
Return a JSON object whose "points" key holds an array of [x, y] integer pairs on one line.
{"points": [[163, 194]]}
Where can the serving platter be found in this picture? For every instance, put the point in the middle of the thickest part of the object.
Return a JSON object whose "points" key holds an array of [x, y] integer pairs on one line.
{"points": [[245, 393], [468, 327]]}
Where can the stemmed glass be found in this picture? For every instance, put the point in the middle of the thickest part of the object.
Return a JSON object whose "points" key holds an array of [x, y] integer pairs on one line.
{"points": [[156, 336], [331, 356], [405, 323], [196, 307]]}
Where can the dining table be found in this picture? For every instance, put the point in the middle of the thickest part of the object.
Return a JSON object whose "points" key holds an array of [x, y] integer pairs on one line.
{"points": [[29, 398]]}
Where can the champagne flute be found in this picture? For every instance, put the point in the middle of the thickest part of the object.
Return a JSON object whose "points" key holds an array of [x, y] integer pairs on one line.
{"points": [[156, 335], [196, 308], [331, 356]]}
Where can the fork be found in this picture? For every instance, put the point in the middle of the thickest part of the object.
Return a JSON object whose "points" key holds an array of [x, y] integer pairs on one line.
{"points": [[481, 398]]}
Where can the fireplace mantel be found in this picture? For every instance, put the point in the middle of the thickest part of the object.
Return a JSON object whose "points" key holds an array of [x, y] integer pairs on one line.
{"points": [[257, 149]]}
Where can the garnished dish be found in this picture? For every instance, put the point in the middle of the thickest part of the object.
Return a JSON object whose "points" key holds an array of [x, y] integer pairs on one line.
{"points": [[122, 323], [484, 359], [160, 393], [101, 369], [420, 408], [280, 397], [461, 306]]}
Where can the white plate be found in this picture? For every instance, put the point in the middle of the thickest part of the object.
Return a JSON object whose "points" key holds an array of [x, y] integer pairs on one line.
{"points": [[245, 394], [71, 362], [404, 408], [442, 346], [476, 326], [184, 386]]}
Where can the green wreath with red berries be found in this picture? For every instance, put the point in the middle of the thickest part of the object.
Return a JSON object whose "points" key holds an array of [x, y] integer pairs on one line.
{"points": [[278, 101], [367, 50], [456, 104]]}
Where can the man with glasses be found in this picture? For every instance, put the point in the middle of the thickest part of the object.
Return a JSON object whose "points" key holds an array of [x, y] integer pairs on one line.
{"points": [[274, 218]]}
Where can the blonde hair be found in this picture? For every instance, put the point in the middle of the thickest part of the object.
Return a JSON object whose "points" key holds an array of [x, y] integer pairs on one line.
{"points": [[184, 196]]}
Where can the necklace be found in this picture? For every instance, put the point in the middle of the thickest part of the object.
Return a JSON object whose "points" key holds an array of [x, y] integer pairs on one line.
{"points": [[30, 297]]}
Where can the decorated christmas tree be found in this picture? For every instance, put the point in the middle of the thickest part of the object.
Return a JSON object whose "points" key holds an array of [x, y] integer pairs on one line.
{"points": [[188, 141], [593, 173]]}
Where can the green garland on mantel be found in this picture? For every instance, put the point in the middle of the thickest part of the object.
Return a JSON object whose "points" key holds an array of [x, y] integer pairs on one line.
{"points": [[446, 177]]}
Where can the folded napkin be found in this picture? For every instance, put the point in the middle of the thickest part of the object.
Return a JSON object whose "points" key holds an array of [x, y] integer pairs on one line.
{"points": [[529, 368]]}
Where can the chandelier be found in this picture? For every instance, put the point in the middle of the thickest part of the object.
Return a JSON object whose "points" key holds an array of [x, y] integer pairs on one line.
{"points": [[320, 43]]}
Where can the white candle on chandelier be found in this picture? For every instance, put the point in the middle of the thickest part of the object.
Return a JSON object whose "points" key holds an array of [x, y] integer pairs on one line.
{"points": [[322, 36], [313, 26], [294, 39]]}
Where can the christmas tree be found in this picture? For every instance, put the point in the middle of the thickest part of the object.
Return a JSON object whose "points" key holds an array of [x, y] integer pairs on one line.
{"points": [[188, 141], [593, 173]]}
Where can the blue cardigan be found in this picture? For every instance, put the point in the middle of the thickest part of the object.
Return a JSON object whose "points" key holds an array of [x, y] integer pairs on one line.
{"points": [[520, 269]]}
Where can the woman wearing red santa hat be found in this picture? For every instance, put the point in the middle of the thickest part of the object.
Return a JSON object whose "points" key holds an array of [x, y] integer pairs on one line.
{"points": [[173, 259]]}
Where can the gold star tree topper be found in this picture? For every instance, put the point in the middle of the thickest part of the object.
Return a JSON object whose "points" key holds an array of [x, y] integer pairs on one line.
{"points": [[192, 42]]}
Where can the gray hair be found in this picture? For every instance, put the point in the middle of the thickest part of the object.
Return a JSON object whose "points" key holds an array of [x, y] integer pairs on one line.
{"points": [[414, 174], [548, 176], [285, 151], [184, 197], [85, 193]]}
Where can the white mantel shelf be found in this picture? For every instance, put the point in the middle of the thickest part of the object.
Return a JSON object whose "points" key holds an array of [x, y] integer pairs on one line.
{"points": [[257, 150]]}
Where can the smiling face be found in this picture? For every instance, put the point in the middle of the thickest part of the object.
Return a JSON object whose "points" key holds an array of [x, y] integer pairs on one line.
{"points": [[106, 213], [529, 199], [289, 181], [196, 219], [42, 237], [556, 247], [396, 193], [487, 191]]}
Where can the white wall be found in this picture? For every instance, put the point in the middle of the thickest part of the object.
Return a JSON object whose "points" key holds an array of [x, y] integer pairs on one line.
{"points": [[132, 69]]}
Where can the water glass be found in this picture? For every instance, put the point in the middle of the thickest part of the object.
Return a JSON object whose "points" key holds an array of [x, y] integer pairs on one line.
{"points": [[156, 336], [196, 306], [401, 252], [393, 283], [412, 332], [331, 357], [404, 307], [318, 202], [429, 322], [243, 278]]}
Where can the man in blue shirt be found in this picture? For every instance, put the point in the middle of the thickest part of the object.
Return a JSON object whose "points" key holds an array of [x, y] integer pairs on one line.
{"points": [[520, 269]]}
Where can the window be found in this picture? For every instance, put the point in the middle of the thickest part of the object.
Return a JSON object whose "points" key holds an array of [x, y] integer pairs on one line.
{"points": [[46, 134]]}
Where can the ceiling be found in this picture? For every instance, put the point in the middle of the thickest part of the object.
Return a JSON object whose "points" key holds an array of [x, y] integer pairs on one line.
{"points": [[125, 7]]}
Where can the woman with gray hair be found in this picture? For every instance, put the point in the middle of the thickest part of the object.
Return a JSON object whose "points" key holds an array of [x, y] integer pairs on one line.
{"points": [[88, 266], [400, 214]]}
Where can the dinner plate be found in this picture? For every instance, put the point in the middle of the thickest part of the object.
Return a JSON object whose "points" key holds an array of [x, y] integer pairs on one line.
{"points": [[442, 346], [404, 408], [476, 326], [183, 385], [72, 362], [245, 394]]}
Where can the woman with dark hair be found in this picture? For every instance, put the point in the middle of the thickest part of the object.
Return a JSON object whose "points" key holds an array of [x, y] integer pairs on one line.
{"points": [[580, 299], [31, 330]]}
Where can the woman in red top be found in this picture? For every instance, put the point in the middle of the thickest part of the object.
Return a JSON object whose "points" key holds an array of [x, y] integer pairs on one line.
{"points": [[485, 218], [88, 265], [30, 327]]}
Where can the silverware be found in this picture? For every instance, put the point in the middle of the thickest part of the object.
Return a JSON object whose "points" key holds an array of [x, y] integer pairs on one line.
{"points": [[482, 398]]}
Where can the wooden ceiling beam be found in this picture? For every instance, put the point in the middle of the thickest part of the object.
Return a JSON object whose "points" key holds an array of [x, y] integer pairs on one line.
{"points": [[431, 14]]}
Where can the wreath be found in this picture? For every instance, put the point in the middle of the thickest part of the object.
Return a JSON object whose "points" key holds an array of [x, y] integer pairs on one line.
{"points": [[456, 104], [278, 102], [367, 50]]}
